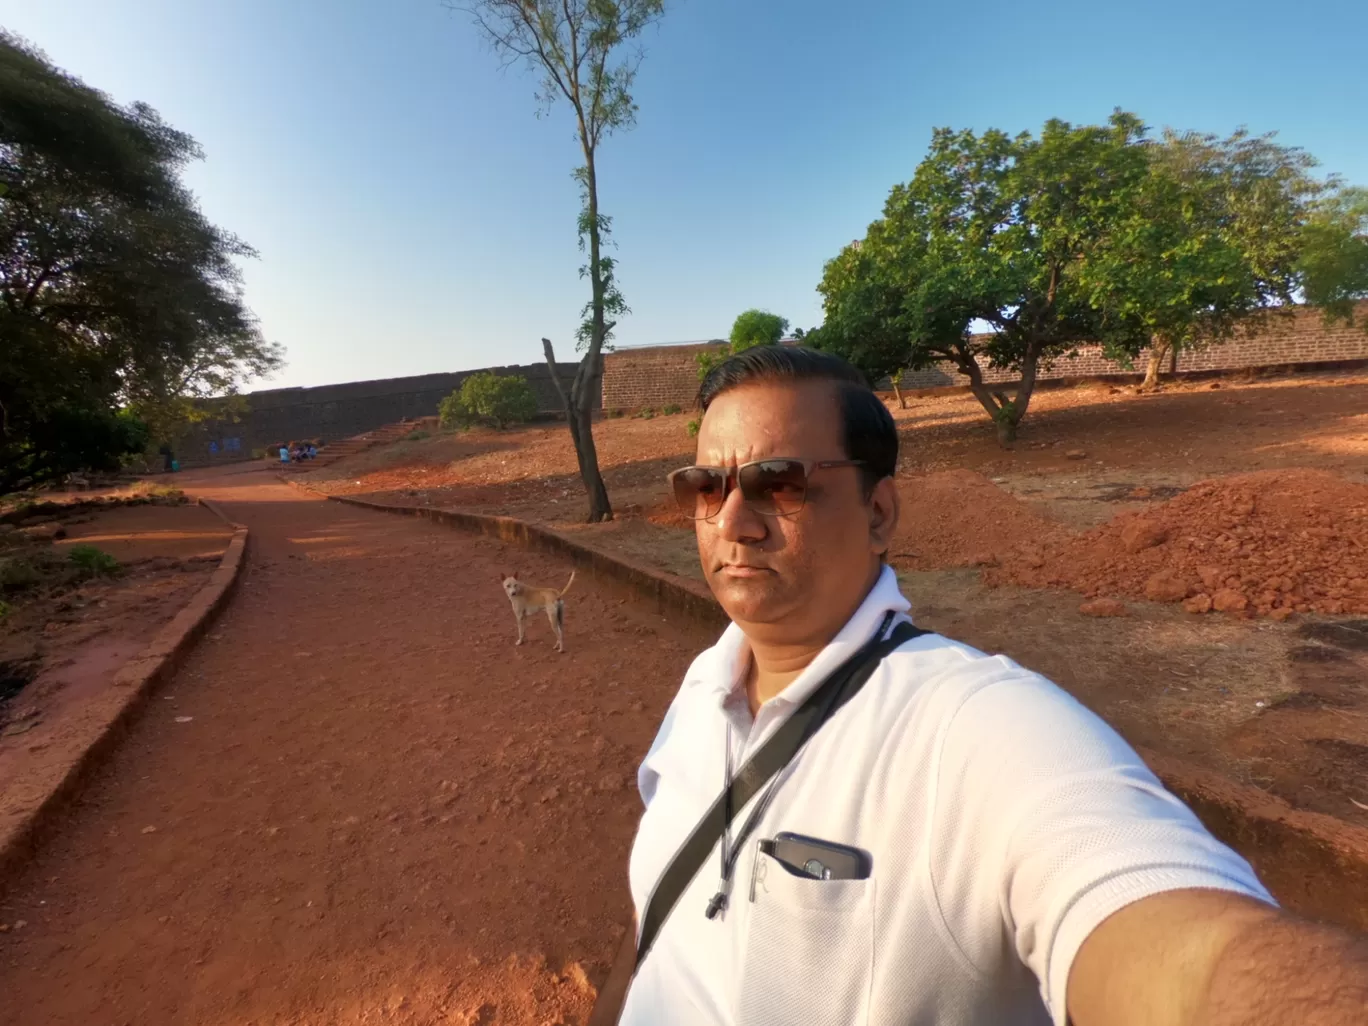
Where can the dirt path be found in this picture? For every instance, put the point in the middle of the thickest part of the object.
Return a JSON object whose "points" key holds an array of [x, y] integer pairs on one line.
{"points": [[379, 811]]}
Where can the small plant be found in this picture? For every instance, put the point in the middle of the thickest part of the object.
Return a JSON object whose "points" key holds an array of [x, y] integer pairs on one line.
{"points": [[646, 414], [95, 562], [692, 428], [416, 436], [617, 412], [671, 409], [5, 608]]}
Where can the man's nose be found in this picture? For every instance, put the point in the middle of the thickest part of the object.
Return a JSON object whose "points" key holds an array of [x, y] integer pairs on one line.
{"points": [[737, 522]]}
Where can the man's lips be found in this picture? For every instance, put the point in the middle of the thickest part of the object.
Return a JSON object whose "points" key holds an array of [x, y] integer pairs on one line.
{"points": [[743, 570]]}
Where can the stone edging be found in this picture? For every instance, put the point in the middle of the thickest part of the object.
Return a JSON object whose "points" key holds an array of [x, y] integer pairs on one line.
{"points": [[1319, 861], [667, 593], [135, 680]]}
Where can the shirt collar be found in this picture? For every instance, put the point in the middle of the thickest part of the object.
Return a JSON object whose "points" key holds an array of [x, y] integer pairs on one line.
{"points": [[731, 651]]}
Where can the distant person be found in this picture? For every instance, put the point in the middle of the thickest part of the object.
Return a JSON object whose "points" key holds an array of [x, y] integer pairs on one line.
{"points": [[958, 841], [167, 458], [313, 451], [284, 454]]}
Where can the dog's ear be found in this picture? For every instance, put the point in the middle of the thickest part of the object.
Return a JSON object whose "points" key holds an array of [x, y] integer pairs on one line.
{"points": [[514, 575]]}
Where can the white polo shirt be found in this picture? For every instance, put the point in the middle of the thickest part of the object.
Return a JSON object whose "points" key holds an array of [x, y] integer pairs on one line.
{"points": [[1005, 821]]}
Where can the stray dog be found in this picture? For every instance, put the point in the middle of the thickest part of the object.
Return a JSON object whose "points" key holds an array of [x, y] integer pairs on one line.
{"points": [[527, 599]]}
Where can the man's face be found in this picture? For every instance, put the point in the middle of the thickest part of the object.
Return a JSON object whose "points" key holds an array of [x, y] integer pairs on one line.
{"points": [[799, 576]]}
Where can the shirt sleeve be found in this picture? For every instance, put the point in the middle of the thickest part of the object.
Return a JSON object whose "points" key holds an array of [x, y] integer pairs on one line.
{"points": [[1045, 823]]}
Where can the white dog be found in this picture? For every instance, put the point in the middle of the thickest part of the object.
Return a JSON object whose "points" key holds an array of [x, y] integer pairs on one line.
{"points": [[526, 599]]}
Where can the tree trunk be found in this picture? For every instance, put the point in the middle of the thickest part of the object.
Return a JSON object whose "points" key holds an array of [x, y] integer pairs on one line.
{"points": [[579, 418], [1159, 349], [582, 433], [1006, 413], [902, 403], [599, 509]]}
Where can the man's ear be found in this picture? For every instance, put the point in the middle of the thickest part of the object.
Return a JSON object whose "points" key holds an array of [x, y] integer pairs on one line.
{"points": [[884, 508]]}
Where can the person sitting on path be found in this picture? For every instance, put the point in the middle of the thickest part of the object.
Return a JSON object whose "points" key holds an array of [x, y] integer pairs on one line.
{"points": [[843, 829]]}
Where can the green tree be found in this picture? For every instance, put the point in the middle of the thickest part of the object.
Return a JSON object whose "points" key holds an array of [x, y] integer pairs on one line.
{"points": [[1089, 233], [991, 229], [751, 328], [1207, 245], [492, 398], [115, 292], [581, 50], [1334, 253], [757, 328]]}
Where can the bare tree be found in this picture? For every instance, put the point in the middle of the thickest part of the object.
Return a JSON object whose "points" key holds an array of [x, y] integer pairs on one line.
{"points": [[582, 50]]}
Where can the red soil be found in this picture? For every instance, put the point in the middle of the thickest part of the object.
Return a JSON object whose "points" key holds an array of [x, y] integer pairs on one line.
{"points": [[1267, 543], [356, 801], [960, 518]]}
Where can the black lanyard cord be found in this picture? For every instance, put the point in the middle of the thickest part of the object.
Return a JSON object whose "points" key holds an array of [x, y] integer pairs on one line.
{"points": [[729, 852]]}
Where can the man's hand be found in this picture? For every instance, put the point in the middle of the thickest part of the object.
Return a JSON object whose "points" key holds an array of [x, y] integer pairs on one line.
{"points": [[1209, 958]]}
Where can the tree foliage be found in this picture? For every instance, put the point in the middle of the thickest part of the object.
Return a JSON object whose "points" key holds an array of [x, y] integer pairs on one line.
{"points": [[582, 51], [1334, 254], [757, 328], [115, 292], [751, 328], [490, 398], [1085, 233]]}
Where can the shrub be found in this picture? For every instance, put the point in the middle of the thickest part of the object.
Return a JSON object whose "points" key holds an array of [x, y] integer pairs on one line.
{"points": [[647, 414], [18, 574], [490, 398], [671, 409], [693, 426], [4, 609], [93, 561], [616, 412], [416, 436]]}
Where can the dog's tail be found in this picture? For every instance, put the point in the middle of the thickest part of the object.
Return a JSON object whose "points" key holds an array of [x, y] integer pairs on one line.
{"points": [[568, 583]]}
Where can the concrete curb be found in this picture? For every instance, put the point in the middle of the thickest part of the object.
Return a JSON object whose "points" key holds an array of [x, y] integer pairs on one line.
{"points": [[666, 593], [1315, 862], [135, 682]]}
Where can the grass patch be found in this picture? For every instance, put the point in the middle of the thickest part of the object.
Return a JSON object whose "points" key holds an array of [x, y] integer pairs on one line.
{"points": [[93, 562]]}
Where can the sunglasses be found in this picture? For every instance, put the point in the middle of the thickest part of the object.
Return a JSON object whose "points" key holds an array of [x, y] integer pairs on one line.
{"points": [[772, 488]]}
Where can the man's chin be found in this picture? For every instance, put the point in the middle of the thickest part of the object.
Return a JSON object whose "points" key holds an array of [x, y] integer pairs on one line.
{"points": [[754, 598]]}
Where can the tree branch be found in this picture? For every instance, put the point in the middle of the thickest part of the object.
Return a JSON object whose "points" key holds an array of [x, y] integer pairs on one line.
{"points": [[555, 375]]}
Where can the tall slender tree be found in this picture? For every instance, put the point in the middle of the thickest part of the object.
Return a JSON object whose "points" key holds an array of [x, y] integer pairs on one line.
{"points": [[584, 52]]}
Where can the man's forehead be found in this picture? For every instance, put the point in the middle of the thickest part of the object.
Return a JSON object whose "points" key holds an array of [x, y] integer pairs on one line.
{"points": [[801, 418]]}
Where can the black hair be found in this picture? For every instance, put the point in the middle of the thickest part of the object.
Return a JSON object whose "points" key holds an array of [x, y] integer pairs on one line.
{"points": [[869, 432]]}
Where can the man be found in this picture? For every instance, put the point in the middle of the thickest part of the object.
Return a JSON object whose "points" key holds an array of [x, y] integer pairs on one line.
{"points": [[1015, 862]]}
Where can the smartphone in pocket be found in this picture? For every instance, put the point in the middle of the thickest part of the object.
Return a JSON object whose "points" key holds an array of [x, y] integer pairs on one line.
{"points": [[817, 859]]}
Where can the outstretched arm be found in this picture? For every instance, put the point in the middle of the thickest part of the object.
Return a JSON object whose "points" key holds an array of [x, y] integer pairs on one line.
{"points": [[1210, 958]]}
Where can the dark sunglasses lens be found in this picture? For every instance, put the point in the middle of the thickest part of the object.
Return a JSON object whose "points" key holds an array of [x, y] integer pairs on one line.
{"points": [[698, 491], [774, 487]]}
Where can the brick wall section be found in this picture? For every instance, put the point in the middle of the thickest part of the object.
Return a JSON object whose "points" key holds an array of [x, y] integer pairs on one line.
{"points": [[652, 377], [634, 378], [332, 412]]}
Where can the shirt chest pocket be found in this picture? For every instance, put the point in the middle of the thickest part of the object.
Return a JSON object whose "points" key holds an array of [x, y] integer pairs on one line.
{"points": [[808, 953]]}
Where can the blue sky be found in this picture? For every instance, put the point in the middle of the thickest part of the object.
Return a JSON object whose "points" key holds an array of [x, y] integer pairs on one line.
{"points": [[413, 214]]}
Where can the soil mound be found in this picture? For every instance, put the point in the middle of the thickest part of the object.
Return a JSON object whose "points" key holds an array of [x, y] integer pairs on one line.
{"points": [[960, 518], [1268, 543]]}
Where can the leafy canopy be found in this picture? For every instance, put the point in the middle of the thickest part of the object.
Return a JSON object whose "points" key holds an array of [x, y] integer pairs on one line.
{"points": [[115, 292], [757, 328], [1085, 233]]}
